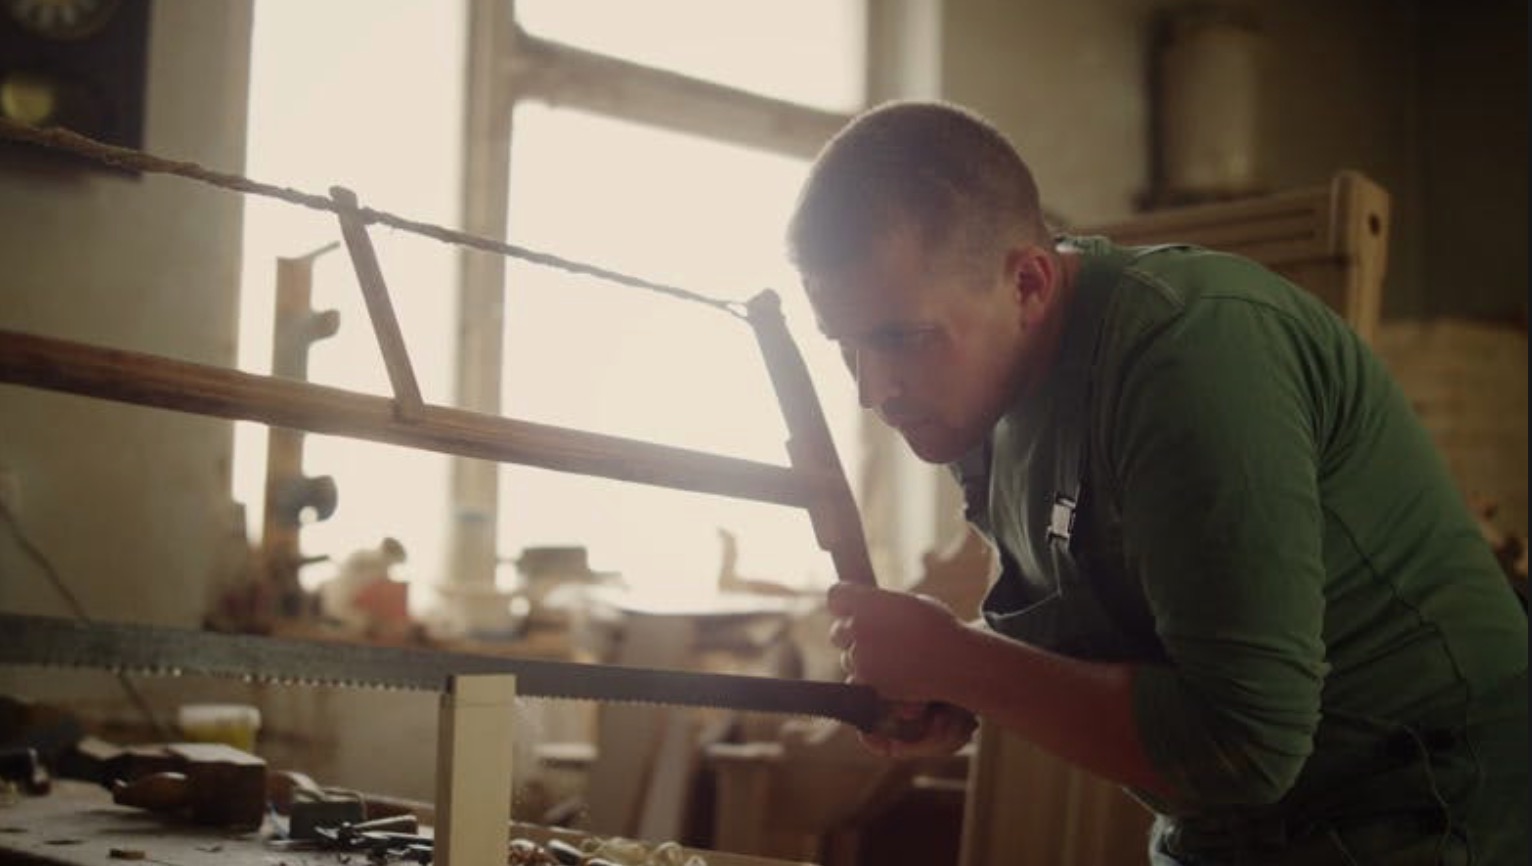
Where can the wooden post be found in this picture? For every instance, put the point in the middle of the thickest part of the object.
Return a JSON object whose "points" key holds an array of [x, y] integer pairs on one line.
{"points": [[475, 745], [295, 327]]}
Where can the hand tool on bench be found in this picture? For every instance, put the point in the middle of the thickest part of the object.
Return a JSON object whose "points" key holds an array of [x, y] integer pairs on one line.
{"points": [[22, 767], [213, 783]]}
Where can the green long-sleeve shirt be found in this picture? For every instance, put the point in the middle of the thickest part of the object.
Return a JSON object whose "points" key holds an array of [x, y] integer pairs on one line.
{"points": [[1262, 493]]}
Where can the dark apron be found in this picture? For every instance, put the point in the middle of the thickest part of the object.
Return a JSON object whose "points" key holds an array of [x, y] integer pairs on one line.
{"points": [[1057, 606], [1397, 810]]}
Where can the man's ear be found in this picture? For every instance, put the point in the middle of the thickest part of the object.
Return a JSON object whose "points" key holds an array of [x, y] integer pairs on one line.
{"points": [[1031, 278]]}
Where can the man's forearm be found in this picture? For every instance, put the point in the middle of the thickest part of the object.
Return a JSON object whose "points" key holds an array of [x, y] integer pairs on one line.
{"points": [[1081, 711]]}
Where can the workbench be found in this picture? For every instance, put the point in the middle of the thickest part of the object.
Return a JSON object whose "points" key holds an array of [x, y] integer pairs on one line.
{"points": [[77, 824]]}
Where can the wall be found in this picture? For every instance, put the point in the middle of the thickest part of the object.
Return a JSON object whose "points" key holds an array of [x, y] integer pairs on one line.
{"points": [[1429, 100], [129, 503], [1473, 128]]}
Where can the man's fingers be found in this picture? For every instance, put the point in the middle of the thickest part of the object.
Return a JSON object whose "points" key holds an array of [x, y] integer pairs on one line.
{"points": [[878, 744], [842, 597], [892, 747], [841, 633]]}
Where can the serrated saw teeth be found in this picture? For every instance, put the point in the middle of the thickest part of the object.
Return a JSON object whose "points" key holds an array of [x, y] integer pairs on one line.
{"points": [[166, 651]]}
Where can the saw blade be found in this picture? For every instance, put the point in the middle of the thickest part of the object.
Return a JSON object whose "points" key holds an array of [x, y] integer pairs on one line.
{"points": [[169, 651]]}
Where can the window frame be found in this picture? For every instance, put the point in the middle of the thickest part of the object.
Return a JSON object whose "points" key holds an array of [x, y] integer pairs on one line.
{"points": [[506, 65]]}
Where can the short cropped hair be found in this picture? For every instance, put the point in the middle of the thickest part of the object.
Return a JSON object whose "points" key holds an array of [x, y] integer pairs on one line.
{"points": [[934, 167]]}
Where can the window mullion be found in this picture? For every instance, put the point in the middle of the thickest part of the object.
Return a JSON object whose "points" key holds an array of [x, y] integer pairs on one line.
{"points": [[479, 354], [574, 78]]}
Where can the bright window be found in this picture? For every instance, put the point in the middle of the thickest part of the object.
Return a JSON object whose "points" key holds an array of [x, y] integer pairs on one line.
{"points": [[586, 354], [329, 105], [332, 103]]}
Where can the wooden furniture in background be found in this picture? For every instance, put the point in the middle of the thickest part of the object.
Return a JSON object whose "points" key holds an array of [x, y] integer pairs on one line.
{"points": [[1027, 807], [1467, 381], [1331, 239]]}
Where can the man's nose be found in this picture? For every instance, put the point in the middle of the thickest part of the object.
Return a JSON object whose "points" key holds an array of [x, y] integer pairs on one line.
{"points": [[875, 381]]}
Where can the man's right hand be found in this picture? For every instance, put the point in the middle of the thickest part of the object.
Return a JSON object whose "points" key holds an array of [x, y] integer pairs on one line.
{"points": [[913, 730]]}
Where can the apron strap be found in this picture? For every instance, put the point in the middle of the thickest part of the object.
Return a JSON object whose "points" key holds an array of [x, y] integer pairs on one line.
{"points": [[1121, 626], [1079, 348]]}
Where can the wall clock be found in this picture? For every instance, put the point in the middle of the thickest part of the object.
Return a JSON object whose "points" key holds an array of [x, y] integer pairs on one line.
{"points": [[77, 64], [61, 19]]}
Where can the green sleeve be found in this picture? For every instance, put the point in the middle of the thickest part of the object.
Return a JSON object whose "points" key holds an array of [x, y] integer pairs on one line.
{"points": [[1214, 444]]}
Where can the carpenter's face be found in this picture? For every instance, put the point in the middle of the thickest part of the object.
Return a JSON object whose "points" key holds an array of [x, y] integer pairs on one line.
{"points": [[935, 347]]}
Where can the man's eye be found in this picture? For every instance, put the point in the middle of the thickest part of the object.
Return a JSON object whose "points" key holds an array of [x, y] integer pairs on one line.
{"points": [[903, 341]]}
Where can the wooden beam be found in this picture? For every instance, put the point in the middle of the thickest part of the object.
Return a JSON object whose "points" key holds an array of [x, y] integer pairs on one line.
{"points": [[152, 380]]}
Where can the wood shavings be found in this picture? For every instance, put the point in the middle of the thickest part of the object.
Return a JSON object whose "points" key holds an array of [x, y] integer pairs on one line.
{"points": [[627, 852], [612, 851]]}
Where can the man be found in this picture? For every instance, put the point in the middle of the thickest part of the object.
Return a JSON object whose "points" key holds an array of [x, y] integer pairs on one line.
{"points": [[1236, 577]]}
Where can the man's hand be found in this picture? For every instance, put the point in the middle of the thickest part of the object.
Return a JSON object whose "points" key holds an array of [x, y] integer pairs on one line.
{"points": [[905, 647], [922, 731], [914, 652]]}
